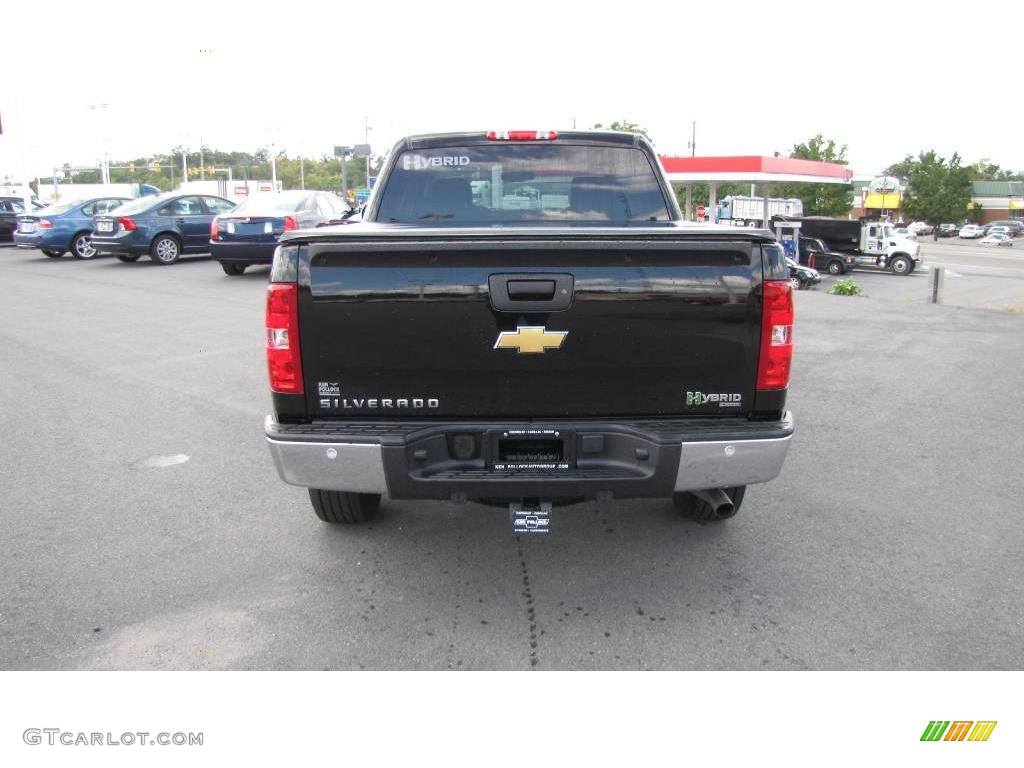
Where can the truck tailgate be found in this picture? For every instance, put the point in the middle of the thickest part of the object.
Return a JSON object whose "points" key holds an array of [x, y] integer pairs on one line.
{"points": [[564, 324]]}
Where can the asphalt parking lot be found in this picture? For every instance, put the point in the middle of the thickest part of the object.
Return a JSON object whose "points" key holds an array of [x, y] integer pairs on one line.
{"points": [[145, 527]]}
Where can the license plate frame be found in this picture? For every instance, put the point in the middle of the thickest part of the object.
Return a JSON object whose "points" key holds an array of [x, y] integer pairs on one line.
{"points": [[543, 449], [28, 228], [104, 226]]}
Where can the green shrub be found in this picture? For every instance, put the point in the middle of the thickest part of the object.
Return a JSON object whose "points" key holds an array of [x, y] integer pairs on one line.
{"points": [[845, 287]]}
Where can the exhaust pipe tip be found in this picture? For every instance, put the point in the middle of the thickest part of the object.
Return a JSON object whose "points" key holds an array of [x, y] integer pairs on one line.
{"points": [[719, 501]]}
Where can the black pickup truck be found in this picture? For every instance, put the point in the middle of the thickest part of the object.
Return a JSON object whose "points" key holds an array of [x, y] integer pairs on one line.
{"points": [[522, 317]]}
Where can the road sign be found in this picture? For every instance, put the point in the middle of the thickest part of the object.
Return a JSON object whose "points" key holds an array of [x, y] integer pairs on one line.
{"points": [[342, 151], [701, 211], [361, 150]]}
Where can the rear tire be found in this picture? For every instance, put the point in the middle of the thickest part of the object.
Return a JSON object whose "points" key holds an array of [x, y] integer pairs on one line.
{"points": [[693, 508], [233, 269], [53, 254], [126, 257], [340, 507], [165, 250], [836, 267], [81, 246]]}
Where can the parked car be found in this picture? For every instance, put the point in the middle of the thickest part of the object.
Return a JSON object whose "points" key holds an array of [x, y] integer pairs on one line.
{"points": [[802, 277], [998, 229], [10, 209], [971, 231], [905, 232], [1015, 227], [816, 254], [948, 230], [920, 228], [997, 238], [248, 235], [165, 227], [64, 227]]}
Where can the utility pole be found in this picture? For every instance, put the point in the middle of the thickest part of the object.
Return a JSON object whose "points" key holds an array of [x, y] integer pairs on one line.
{"points": [[366, 139], [693, 139], [202, 164], [273, 168], [184, 166]]}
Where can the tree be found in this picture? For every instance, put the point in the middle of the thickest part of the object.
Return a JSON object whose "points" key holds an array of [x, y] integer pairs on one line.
{"points": [[820, 199], [986, 170], [623, 125], [937, 190]]}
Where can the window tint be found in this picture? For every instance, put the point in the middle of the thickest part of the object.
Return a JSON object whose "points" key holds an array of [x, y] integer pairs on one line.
{"points": [[340, 208], [218, 205], [144, 204], [527, 184], [104, 206], [183, 206], [324, 206], [270, 205]]}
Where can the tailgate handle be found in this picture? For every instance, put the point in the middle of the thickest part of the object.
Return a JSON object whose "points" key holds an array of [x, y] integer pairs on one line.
{"points": [[530, 292]]}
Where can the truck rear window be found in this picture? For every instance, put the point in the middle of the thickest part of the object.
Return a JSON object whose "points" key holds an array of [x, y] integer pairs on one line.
{"points": [[528, 184]]}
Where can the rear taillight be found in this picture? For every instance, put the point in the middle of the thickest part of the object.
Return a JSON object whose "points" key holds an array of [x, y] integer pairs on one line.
{"points": [[44, 224], [215, 229], [290, 223], [522, 135], [776, 335], [283, 359], [126, 224]]}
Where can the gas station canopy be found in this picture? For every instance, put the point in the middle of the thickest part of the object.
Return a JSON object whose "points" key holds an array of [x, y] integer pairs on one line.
{"points": [[753, 169]]}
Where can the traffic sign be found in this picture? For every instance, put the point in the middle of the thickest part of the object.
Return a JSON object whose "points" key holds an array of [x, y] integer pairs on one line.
{"points": [[701, 211], [342, 151]]}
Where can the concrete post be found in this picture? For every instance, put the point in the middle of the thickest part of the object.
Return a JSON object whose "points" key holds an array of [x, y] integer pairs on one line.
{"points": [[689, 202], [936, 280], [712, 201]]}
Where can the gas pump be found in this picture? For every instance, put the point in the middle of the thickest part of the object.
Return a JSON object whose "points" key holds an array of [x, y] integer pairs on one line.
{"points": [[788, 235]]}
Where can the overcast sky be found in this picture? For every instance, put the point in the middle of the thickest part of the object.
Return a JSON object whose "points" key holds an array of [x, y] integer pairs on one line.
{"points": [[756, 77]]}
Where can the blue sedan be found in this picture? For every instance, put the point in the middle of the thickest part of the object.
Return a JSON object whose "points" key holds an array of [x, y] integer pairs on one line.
{"points": [[164, 227], [63, 227]]}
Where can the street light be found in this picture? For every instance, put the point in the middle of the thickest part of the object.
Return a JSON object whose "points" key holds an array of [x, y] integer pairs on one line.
{"points": [[366, 140], [105, 164]]}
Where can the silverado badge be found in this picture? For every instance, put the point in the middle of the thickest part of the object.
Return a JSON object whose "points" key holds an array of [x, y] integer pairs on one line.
{"points": [[530, 339]]}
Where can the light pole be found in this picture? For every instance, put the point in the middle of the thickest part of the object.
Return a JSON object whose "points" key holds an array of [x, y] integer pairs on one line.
{"points": [[366, 140], [105, 164], [273, 168]]}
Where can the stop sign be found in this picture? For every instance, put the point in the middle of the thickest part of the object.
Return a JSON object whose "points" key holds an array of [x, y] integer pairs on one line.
{"points": [[700, 212]]}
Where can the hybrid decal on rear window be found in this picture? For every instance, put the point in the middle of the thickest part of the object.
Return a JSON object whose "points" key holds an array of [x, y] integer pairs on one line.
{"points": [[419, 162], [724, 400]]}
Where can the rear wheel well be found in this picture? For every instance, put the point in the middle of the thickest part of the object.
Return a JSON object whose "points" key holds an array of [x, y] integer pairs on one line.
{"points": [[71, 241], [167, 233]]}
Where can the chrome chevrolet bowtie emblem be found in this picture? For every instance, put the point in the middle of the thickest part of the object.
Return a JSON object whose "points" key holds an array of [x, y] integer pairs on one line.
{"points": [[530, 339]]}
